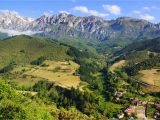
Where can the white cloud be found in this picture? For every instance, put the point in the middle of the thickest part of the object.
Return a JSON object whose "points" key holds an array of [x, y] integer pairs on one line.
{"points": [[150, 7], [146, 8], [147, 17], [9, 11], [84, 9], [113, 9], [81, 9], [142, 15], [14, 32], [48, 13], [136, 11], [64, 12], [51, 12]]}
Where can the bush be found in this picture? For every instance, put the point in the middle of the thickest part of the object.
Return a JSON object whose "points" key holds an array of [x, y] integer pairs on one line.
{"points": [[39, 61], [8, 67]]}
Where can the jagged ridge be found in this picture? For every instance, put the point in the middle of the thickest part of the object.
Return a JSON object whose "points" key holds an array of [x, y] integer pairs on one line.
{"points": [[90, 27]]}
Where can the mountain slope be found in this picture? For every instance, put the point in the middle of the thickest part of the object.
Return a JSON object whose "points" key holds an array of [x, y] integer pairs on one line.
{"points": [[24, 49], [94, 27], [152, 45]]}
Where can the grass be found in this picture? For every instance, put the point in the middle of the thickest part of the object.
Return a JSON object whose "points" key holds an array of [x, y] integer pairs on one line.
{"points": [[27, 92], [24, 49], [151, 89], [117, 65], [151, 76], [27, 81], [113, 108], [61, 73]]}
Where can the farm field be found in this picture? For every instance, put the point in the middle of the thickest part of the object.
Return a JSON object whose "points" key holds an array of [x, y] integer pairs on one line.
{"points": [[151, 89], [117, 65], [61, 73], [151, 76]]}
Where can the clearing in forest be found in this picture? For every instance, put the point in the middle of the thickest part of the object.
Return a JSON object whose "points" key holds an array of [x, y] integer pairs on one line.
{"points": [[117, 65], [151, 76], [61, 73]]}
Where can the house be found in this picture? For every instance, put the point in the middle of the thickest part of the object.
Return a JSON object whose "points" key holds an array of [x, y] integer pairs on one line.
{"points": [[157, 106], [157, 116], [150, 102], [143, 102], [136, 101], [119, 93], [120, 116], [130, 110]]}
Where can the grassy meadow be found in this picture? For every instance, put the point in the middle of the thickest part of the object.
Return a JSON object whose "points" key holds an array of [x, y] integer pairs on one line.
{"points": [[151, 76], [61, 73], [117, 65]]}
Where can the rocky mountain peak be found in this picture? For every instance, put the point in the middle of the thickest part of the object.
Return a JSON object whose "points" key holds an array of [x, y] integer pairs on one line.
{"points": [[43, 19], [89, 27], [63, 15], [13, 21], [12, 15]]}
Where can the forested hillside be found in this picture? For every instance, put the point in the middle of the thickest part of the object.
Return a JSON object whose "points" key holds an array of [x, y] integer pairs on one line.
{"points": [[25, 49], [152, 45]]}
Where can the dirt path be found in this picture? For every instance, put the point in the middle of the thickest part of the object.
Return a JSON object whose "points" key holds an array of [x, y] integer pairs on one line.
{"points": [[140, 110], [31, 92]]}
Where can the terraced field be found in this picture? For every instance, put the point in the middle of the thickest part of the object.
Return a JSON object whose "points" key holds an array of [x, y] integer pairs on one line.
{"points": [[61, 73]]}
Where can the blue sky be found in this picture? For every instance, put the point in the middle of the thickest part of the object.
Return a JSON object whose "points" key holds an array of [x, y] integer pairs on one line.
{"points": [[108, 9]]}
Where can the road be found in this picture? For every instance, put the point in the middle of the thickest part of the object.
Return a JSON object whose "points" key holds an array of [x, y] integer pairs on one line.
{"points": [[140, 110]]}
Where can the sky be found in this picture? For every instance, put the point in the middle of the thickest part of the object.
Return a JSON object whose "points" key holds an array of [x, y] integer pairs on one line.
{"points": [[108, 9]]}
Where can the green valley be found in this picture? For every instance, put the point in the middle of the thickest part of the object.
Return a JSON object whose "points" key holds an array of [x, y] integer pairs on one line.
{"points": [[74, 83]]}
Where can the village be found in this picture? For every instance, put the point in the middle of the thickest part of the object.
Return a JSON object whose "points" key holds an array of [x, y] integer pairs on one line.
{"points": [[137, 108]]}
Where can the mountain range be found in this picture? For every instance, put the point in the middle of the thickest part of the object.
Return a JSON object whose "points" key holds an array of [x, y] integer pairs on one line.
{"points": [[87, 28]]}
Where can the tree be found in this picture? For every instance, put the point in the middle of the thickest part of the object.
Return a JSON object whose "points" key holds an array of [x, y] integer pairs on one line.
{"points": [[11, 110]]}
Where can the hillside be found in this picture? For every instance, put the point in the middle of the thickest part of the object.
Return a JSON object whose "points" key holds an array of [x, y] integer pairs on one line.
{"points": [[152, 45], [142, 62], [63, 78], [24, 49], [69, 83], [17, 105]]}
